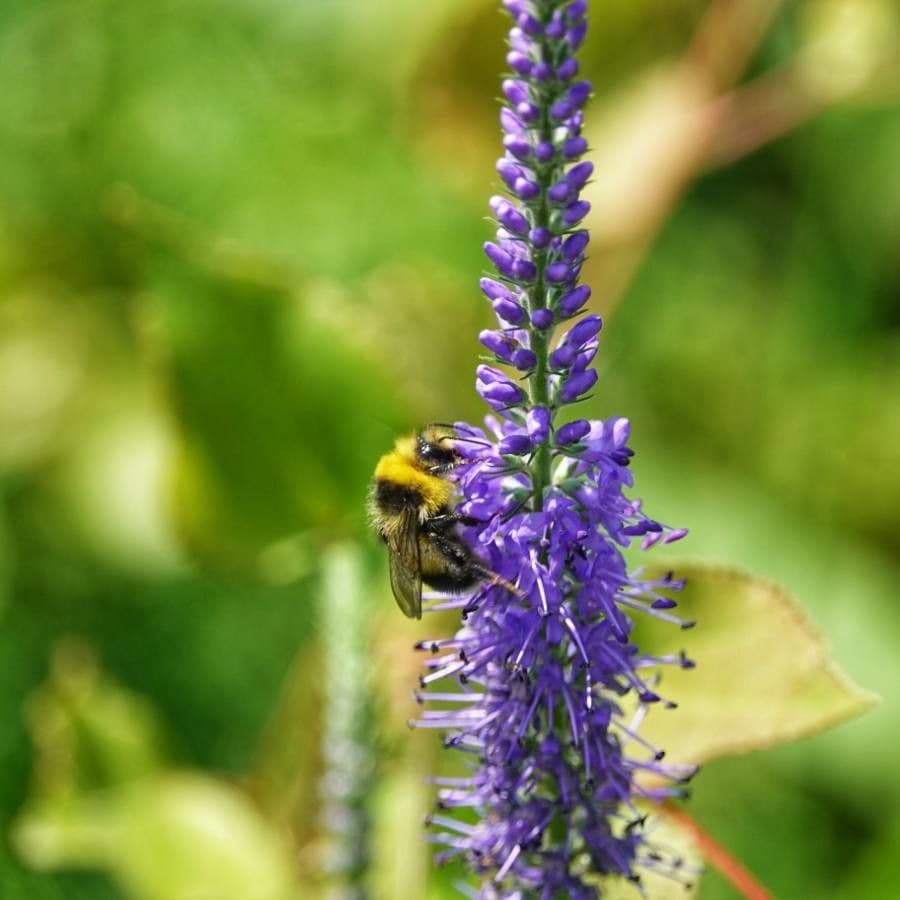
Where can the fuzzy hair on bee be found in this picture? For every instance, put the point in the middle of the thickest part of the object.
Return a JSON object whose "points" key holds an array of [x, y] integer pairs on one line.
{"points": [[412, 510]]}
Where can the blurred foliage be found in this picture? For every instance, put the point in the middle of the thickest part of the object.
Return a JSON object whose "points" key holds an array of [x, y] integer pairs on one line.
{"points": [[103, 798], [238, 253]]}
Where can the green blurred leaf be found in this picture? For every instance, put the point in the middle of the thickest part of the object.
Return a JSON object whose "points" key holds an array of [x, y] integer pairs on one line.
{"points": [[187, 836], [103, 798], [265, 393], [764, 675], [399, 807], [173, 836], [89, 733]]}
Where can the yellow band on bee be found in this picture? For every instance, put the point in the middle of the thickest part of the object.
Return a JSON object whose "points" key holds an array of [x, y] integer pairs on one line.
{"points": [[436, 492]]}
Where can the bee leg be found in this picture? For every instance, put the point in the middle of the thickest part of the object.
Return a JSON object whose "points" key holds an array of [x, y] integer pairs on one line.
{"points": [[445, 521], [440, 524], [469, 520], [442, 468], [457, 568], [462, 569]]}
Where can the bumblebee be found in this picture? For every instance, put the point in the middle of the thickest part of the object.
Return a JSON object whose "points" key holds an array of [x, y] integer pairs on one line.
{"points": [[411, 505]]}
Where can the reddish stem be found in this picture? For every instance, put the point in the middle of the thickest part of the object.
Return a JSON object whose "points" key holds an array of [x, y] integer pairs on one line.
{"points": [[718, 857]]}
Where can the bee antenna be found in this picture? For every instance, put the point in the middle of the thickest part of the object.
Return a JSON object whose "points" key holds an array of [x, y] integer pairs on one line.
{"points": [[465, 440]]}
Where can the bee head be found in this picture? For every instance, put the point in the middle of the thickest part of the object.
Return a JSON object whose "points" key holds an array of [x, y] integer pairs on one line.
{"points": [[434, 448]]}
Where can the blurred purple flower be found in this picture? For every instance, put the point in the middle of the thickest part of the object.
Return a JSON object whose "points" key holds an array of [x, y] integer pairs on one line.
{"points": [[548, 687]]}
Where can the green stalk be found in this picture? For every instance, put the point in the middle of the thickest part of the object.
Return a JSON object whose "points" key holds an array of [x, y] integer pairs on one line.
{"points": [[538, 388]]}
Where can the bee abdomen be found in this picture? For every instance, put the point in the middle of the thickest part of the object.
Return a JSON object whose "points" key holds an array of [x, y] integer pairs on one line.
{"points": [[447, 563]]}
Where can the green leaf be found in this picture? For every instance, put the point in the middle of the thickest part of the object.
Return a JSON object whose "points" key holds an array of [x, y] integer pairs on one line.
{"points": [[764, 675], [172, 836], [104, 798]]}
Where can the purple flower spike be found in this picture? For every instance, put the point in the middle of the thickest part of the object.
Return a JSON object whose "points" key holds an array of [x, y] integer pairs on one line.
{"points": [[543, 684]]}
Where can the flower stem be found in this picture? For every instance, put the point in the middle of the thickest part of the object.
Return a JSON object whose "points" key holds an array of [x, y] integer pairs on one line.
{"points": [[718, 857], [538, 395], [539, 388]]}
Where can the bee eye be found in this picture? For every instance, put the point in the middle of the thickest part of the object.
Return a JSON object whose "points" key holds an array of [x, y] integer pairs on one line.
{"points": [[436, 453]]}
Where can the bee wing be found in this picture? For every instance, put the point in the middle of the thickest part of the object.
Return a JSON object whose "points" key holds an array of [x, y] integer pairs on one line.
{"points": [[405, 568]]}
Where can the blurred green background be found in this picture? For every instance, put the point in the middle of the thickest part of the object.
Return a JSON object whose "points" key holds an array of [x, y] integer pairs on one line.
{"points": [[239, 250]]}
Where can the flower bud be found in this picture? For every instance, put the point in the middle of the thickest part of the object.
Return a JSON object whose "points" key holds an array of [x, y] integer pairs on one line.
{"points": [[498, 343], [524, 360], [500, 258], [571, 302], [509, 311], [557, 272], [515, 445], [580, 333], [577, 384], [574, 245], [537, 422], [572, 432]]}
